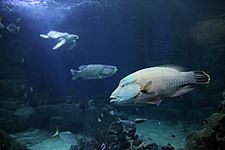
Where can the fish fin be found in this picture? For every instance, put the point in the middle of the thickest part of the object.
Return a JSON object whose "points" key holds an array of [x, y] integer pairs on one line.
{"points": [[18, 28], [178, 68], [63, 41], [75, 74], [82, 67], [56, 133], [201, 77], [183, 90], [44, 36], [156, 101], [147, 88]]}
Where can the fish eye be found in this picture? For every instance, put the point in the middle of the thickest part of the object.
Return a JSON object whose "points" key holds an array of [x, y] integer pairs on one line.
{"points": [[122, 85]]}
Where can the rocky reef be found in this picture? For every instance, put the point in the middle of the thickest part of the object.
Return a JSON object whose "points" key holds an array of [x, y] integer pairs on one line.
{"points": [[7, 143], [212, 136]]}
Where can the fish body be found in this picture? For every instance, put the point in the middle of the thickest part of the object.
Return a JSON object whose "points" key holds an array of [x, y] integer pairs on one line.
{"points": [[140, 120], [126, 123], [13, 28], [94, 71], [63, 38], [148, 86]]}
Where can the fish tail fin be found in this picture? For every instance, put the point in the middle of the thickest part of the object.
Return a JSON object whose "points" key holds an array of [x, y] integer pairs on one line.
{"points": [[56, 133], [201, 77], [75, 74], [44, 36]]}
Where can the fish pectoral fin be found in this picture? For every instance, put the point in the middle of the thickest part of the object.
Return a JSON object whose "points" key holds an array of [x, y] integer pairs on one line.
{"points": [[183, 90], [63, 41], [147, 88], [156, 101]]}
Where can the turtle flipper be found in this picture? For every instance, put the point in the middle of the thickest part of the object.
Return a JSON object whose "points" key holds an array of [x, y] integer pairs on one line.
{"points": [[73, 45], [63, 41], [44, 36]]}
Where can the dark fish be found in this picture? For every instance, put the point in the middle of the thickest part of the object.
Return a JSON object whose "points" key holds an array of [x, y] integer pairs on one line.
{"points": [[140, 120]]}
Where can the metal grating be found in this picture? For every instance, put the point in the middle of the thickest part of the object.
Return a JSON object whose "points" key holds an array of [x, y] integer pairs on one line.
{"points": [[162, 48]]}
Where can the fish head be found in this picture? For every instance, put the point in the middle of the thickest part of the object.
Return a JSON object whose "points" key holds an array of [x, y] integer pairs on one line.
{"points": [[125, 93], [108, 71]]}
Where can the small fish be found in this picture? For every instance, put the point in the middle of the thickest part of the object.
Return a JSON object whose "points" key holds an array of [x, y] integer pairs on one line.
{"points": [[99, 120], [103, 146], [31, 89], [10, 6], [91, 102], [173, 136], [140, 120], [22, 60], [126, 123], [18, 20], [148, 86], [25, 95], [159, 123], [102, 115], [67, 137], [12, 28], [93, 71]]}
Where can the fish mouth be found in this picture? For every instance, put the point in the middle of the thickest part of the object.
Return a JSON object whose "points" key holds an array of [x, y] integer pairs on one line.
{"points": [[114, 99]]}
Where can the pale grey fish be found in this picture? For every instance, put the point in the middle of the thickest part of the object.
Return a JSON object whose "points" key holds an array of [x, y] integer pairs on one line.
{"points": [[148, 86], [63, 38], [13, 28], [126, 123], [93, 71]]}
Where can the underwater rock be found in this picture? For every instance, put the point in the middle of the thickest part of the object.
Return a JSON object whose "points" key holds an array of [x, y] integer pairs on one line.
{"points": [[211, 137], [7, 143], [18, 120], [64, 116]]}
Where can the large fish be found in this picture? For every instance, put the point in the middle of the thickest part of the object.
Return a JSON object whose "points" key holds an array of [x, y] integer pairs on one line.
{"points": [[148, 86], [93, 71]]}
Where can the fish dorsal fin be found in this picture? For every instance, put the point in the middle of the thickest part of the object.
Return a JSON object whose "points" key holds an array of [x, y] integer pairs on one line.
{"points": [[147, 88], [82, 67], [178, 68]]}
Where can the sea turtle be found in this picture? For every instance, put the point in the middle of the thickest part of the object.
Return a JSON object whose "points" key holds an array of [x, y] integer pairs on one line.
{"points": [[63, 38]]}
